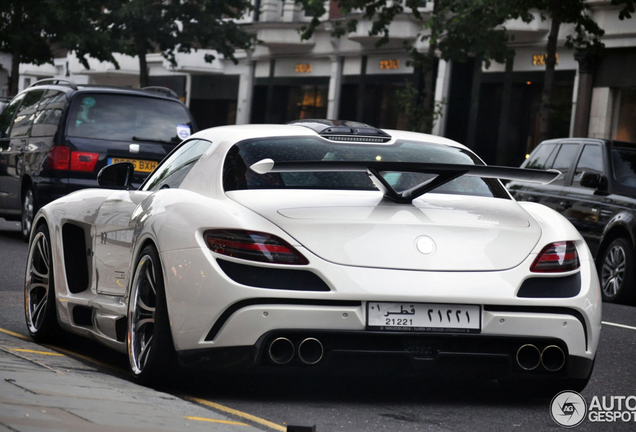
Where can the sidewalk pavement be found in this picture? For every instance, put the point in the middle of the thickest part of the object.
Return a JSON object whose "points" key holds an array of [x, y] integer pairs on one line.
{"points": [[43, 390]]}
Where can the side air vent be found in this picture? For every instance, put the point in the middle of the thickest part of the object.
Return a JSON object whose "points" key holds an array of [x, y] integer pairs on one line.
{"points": [[75, 258]]}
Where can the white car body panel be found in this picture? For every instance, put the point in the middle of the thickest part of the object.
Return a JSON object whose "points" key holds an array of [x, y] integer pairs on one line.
{"points": [[364, 248], [468, 233]]}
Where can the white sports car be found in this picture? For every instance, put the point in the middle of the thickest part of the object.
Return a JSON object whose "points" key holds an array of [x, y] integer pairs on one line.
{"points": [[319, 245]]}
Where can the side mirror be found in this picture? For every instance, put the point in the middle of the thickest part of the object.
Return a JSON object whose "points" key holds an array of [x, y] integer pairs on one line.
{"points": [[594, 181], [116, 176]]}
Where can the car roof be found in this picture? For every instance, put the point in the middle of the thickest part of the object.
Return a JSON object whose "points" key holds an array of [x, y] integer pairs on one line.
{"points": [[235, 133], [70, 88], [588, 140]]}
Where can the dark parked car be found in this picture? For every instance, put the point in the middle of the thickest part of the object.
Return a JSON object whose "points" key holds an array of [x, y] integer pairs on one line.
{"points": [[596, 191], [55, 136]]}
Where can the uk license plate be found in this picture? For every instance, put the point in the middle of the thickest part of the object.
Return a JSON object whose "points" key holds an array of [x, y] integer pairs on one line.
{"points": [[140, 165], [424, 317]]}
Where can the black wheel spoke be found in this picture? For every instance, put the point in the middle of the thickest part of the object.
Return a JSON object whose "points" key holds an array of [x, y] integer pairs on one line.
{"points": [[39, 287], [616, 276], [143, 299]]}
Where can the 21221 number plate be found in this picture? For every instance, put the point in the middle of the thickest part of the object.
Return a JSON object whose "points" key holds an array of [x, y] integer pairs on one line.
{"points": [[424, 317]]}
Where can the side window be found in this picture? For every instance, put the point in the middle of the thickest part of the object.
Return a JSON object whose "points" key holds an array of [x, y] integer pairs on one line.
{"points": [[173, 171], [6, 117], [591, 161], [563, 161], [542, 157], [25, 116], [49, 113]]}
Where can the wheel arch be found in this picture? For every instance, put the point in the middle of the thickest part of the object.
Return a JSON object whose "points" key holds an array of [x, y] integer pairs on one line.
{"points": [[26, 183], [614, 231]]}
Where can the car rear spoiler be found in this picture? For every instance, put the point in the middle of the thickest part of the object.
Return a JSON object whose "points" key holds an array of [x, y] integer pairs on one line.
{"points": [[445, 173]]}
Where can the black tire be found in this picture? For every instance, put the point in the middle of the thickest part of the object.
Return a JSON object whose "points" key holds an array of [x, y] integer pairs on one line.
{"points": [[151, 354], [616, 272], [39, 289], [29, 209]]}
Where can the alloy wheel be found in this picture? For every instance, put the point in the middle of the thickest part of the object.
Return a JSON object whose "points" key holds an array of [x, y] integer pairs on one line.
{"points": [[613, 271], [141, 314], [38, 282]]}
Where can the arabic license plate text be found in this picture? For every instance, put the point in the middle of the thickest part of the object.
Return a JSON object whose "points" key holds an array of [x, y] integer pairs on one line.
{"points": [[424, 317], [140, 165]]}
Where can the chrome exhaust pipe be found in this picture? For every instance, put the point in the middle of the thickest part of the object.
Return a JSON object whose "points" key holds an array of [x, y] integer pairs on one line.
{"points": [[552, 358], [528, 357], [281, 350], [310, 351]]}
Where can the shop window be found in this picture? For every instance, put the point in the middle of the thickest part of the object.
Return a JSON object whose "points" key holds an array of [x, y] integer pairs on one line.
{"points": [[626, 122], [307, 102]]}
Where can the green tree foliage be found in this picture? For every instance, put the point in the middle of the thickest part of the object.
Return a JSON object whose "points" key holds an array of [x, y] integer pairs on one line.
{"points": [[452, 30], [586, 36], [139, 27], [29, 29]]}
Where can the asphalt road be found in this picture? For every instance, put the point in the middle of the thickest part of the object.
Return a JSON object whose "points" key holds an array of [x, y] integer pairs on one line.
{"points": [[370, 404]]}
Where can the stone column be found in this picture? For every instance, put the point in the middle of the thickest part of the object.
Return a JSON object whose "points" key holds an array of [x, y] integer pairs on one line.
{"points": [[335, 87], [587, 66]]}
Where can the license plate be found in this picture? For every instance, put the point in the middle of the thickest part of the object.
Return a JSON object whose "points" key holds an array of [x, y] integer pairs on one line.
{"points": [[140, 165], [424, 317]]}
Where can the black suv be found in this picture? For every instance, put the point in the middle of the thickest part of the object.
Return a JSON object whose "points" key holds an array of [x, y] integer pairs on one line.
{"points": [[596, 191], [55, 136]]}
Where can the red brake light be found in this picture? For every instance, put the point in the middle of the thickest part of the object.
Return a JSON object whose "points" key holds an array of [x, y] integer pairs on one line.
{"points": [[62, 158], [83, 161], [556, 257], [253, 246], [59, 158]]}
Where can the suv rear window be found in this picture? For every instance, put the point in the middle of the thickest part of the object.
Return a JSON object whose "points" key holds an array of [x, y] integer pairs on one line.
{"points": [[542, 157], [125, 118], [624, 161], [237, 175]]}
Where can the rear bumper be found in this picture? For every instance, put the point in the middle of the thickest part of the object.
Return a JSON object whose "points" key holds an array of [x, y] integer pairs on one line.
{"points": [[404, 354]]}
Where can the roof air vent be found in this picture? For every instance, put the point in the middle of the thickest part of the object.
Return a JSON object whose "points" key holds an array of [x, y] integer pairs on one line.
{"points": [[345, 131]]}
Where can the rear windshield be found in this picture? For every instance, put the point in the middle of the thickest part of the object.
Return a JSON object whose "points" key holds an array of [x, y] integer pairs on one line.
{"points": [[238, 176], [128, 118]]}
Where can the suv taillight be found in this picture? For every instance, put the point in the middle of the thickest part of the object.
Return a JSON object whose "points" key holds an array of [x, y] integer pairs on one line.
{"points": [[253, 246], [62, 158], [59, 158], [83, 161], [556, 258]]}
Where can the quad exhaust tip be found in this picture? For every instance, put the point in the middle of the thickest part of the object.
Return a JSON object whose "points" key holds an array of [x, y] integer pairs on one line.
{"points": [[310, 351], [529, 357], [281, 350], [552, 358]]}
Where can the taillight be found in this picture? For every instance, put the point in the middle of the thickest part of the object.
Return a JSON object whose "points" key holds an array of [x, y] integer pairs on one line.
{"points": [[253, 246], [59, 158], [556, 257], [83, 161], [62, 158]]}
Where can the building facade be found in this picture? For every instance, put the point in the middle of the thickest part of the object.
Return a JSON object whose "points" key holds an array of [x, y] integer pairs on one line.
{"points": [[493, 110]]}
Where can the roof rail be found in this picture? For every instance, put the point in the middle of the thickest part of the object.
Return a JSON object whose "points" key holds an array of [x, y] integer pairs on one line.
{"points": [[164, 90], [55, 81]]}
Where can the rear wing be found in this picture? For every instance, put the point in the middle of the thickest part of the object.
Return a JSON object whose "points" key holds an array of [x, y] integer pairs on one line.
{"points": [[444, 172]]}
